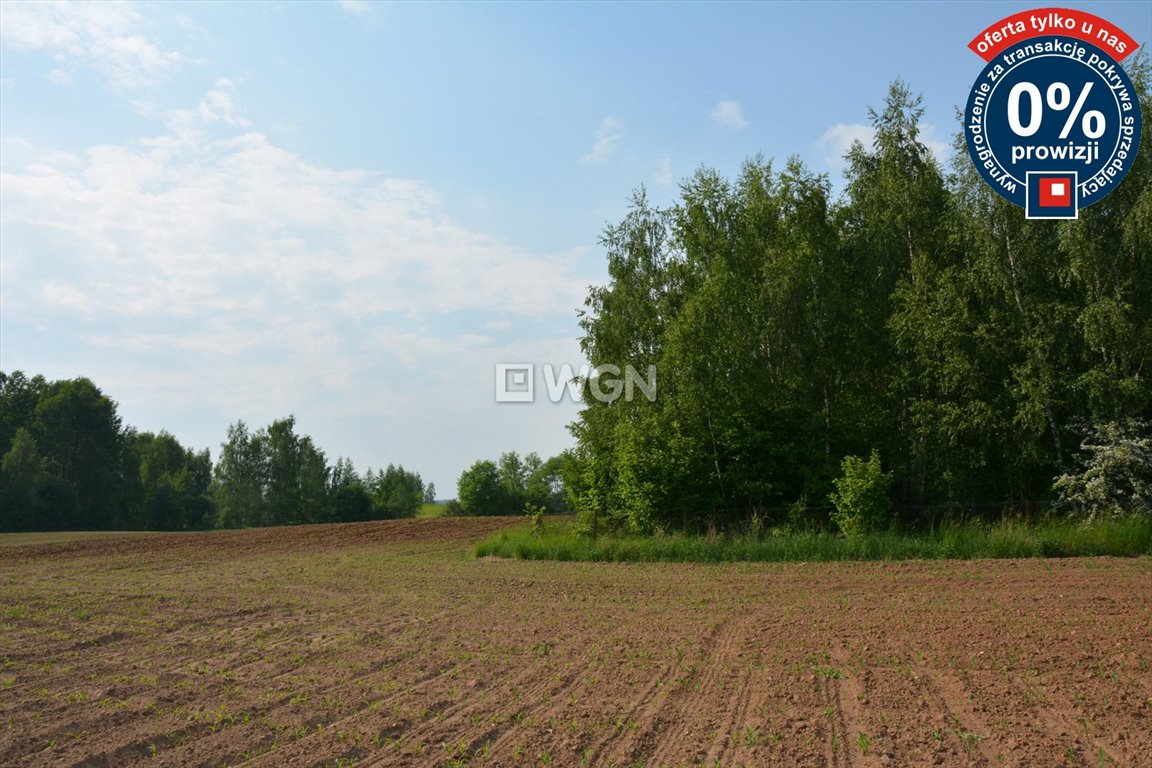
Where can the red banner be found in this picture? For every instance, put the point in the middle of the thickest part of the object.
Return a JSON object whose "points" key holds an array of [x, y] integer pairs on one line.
{"points": [[1065, 22]]}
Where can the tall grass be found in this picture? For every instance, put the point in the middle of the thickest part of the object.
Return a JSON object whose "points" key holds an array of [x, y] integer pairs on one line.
{"points": [[431, 510], [961, 541]]}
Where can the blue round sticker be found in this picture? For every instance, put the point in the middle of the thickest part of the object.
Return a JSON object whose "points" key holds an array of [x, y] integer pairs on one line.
{"points": [[1053, 125]]}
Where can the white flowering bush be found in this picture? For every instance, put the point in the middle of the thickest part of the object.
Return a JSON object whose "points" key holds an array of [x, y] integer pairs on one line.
{"points": [[1115, 475]]}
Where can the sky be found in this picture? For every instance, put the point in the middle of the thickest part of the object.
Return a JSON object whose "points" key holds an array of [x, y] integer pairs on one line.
{"points": [[351, 212]]}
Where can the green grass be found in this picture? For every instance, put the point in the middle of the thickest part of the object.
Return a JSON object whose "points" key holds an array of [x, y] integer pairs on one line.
{"points": [[432, 510], [963, 541]]}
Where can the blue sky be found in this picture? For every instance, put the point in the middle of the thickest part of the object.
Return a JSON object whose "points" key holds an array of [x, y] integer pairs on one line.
{"points": [[352, 211]]}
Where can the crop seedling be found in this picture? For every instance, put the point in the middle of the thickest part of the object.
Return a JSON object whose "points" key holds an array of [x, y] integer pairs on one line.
{"points": [[969, 739]]}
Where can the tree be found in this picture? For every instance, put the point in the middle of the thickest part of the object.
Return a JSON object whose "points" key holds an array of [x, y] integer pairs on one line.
{"points": [[921, 316], [513, 478], [342, 473], [241, 478], [513, 484], [351, 502], [23, 477], [895, 230], [200, 509], [481, 491], [66, 461], [737, 294], [1107, 254], [87, 470], [173, 489], [430, 493], [544, 486], [396, 493], [297, 476], [79, 434], [283, 494], [19, 396], [348, 498]]}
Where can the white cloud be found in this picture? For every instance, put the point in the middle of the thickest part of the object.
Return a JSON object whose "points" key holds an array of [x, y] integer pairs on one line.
{"points": [[66, 296], [17, 142], [835, 142], [209, 272], [206, 273], [663, 174], [940, 148], [59, 77], [730, 114], [241, 225], [106, 37], [355, 7], [216, 109], [608, 137], [199, 224]]}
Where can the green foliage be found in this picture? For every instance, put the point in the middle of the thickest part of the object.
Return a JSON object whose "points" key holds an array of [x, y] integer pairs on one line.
{"points": [[513, 473], [535, 514], [512, 485], [67, 462], [481, 491], [544, 484], [964, 541], [919, 315], [297, 475], [24, 483], [64, 453], [861, 496], [1115, 477], [429, 511], [175, 483], [79, 433], [241, 478], [275, 477], [351, 502], [396, 493]]}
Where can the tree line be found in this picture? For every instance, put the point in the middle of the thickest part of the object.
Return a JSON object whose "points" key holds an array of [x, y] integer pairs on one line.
{"points": [[512, 485], [68, 462], [913, 344]]}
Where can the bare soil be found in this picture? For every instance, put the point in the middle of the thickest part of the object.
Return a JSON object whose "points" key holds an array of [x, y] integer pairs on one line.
{"points": [[388, 644]]}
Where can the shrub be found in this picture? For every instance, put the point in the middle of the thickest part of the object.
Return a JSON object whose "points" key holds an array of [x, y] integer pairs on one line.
{"points": [[861, 496], [535, 514], [1115, 475]]}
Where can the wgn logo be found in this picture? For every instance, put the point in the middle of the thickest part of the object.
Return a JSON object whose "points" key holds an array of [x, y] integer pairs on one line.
{"points": [[516, 382]]}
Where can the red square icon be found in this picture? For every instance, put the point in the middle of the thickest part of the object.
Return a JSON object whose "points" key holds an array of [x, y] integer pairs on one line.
{"points": [[1055, 192]]}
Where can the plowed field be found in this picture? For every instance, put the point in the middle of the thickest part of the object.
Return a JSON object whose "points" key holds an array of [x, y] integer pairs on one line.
{"points": [[388, 644]]}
